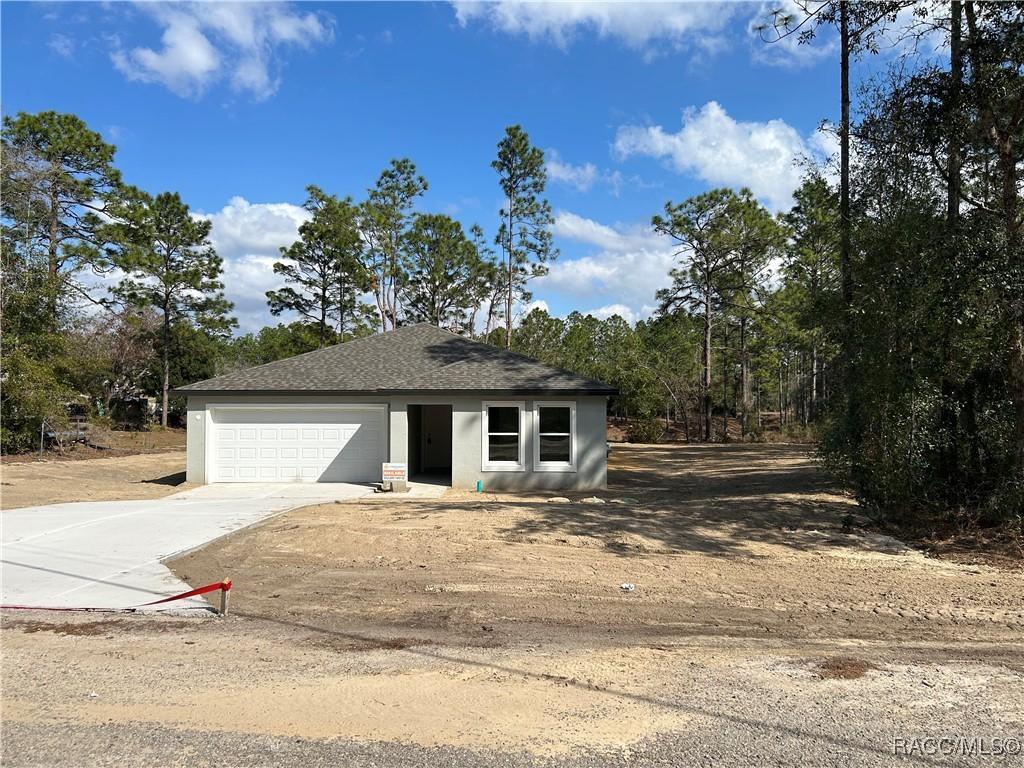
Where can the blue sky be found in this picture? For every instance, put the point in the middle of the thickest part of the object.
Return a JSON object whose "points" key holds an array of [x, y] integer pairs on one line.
{"points": [[239, 107]]}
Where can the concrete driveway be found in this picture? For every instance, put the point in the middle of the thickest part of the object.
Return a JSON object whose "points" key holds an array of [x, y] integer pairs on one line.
{"points": [[106, 554]]}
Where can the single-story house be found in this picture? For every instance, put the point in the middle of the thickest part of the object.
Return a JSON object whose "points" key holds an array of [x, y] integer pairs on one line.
{"points": [[453, 410]]}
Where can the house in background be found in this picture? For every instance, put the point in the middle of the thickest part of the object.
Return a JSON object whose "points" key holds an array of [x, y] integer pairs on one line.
{"points": [[454, 410]]}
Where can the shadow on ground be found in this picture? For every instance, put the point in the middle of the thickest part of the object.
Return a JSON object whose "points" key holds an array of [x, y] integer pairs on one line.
{"points": [[709, 499], [175, 478]]}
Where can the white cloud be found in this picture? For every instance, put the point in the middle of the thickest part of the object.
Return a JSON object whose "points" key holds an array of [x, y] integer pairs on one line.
{"points": [[777, 42], [202, 43], [583, 230], [603, 313], [242, 227], [723, 151], [582, 177], [654, 27], [524, 309], [248, 237], [640, 25], [629, 266], [62, 45]]}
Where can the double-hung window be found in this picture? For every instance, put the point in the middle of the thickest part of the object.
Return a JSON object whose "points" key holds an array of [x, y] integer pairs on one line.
{"points": [[555, 444], [503, 436]]}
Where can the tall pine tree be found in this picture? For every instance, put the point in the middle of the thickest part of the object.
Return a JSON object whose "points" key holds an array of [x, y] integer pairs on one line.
{"points": [[525, 232], [170, 266]]}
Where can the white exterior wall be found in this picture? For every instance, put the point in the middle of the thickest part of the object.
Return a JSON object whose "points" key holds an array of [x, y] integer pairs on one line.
{"points": [[467, 438]]}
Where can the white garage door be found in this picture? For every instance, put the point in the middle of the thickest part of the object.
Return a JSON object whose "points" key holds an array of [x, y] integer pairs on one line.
{"points": [[269, 445]]}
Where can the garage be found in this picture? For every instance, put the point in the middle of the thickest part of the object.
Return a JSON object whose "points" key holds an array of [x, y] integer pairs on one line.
{"points": [[320, 444]]}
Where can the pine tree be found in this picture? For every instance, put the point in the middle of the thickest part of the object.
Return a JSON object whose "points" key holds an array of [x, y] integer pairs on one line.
{"points": [[323, 269], [524, 235], [170, 266]]}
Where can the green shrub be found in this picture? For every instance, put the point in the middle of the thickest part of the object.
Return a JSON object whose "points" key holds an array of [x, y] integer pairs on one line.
{"points": [[646, 431]]}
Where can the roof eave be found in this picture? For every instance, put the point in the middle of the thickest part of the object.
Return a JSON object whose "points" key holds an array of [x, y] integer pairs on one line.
{"points": [[518, 391]]}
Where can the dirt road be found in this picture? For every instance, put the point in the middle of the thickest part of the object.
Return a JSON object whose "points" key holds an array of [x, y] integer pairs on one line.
{"points": [[492, 630]]}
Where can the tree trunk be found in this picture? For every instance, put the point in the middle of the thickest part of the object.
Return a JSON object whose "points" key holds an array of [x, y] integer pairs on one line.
{"points": [[757, 400], [706, 380], [508, 297], [848, 386], [1013, 302], [747, 396], [781, 402], [342, 301], [53, 253], [378, 295], [802, 382], [725, 382], [949, 454], [844, 156], [814, 381], [167, 367], [955, 79]]}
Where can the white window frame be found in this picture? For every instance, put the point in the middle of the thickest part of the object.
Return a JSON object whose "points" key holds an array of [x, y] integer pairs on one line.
{"points": [[502, 466], [554, 466]]}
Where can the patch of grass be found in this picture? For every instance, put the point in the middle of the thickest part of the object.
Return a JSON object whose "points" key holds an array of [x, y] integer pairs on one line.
{"points": [[95, 628], [843, 668], [355, 644]]}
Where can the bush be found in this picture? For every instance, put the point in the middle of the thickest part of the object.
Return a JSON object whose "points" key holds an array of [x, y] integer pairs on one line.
{"points": [[31, 394], [646, 431]]}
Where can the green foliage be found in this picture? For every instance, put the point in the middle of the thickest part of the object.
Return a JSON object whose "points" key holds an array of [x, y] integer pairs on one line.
{"points": [[190, 354], [931, 414], [276, 342], [649, 430], [32, 392], [35, 347], [385, 220], [323, 269], [57, 178], [445, 276], [171, 267], [170, 263], [725, 241], [665, 366], [525, 232], [606, 350]]}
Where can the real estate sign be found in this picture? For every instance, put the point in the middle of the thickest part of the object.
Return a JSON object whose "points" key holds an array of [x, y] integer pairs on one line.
{"points": [[395, 473]]}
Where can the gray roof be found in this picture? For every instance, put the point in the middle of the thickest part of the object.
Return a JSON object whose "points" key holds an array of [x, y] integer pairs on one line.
{"points": [[410, 360]]}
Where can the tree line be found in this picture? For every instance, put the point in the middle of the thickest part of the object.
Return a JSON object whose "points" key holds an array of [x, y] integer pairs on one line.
{"points": [[883, 314], [70, 220]]}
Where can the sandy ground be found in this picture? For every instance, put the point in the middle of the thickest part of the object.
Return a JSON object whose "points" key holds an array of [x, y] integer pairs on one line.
{"points": [[492, 630], [143, 476]]}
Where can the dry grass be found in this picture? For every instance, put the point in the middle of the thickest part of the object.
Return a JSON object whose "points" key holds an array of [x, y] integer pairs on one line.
{"points": [[843, 668]]}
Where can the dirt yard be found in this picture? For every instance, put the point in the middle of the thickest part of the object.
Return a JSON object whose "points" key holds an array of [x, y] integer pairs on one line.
{"points": [[493, 630], [138, 476]]}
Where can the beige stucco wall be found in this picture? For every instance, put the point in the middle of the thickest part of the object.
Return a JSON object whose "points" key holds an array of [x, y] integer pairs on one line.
{"points": [[467, 438]]}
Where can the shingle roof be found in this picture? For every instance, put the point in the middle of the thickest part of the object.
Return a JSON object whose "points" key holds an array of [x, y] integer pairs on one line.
{"points": [[412, 359]]}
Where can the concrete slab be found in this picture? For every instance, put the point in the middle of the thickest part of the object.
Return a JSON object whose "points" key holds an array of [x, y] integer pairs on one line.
{"points": [[107, 554]]}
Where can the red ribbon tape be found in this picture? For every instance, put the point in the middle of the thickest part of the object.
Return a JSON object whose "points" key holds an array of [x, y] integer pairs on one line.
{"points": [[221, 585]]}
